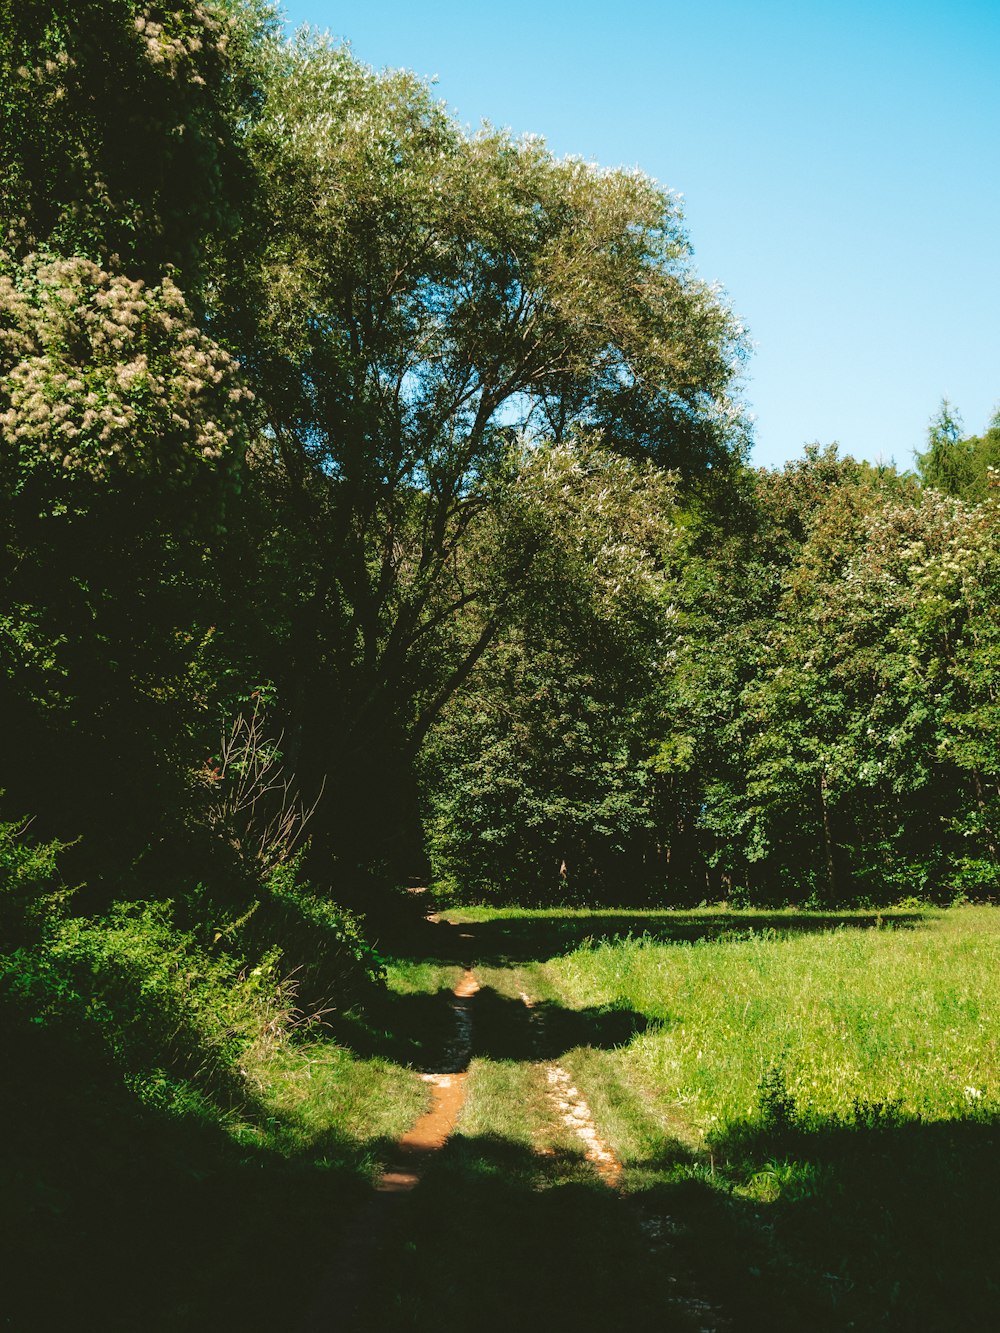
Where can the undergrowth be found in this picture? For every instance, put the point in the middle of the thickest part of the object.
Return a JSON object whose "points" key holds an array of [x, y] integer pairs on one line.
{"points": [[179, 1109]]}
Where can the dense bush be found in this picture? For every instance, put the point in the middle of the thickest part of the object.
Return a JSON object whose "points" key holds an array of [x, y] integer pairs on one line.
{"points": [[175, 1009]]}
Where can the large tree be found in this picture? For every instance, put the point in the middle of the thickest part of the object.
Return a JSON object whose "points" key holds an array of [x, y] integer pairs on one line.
{"points": [[123, 185], [426, 297]]}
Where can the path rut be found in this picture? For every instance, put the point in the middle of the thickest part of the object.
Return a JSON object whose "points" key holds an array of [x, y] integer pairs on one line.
{"points": [[349, 1294]]}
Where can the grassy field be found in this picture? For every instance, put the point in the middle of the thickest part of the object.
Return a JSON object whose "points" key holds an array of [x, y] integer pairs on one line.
{"points": [[905, 1017], [813, 1104], [805, 1105]]}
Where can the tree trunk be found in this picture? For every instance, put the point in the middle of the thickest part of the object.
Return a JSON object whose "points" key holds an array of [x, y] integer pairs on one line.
{"points": [[831, 879]]}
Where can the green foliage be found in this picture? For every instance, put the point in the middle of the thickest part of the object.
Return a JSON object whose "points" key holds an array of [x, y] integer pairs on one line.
{"points": [[123, 420], [120, 128], [538, 775], [164, 1009], [206, 1008], [827, 660], [32, 895], [957, 465], [323, 945], [170, 1103]]}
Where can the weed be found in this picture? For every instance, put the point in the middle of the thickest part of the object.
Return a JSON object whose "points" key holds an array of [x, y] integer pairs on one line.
{"points": [[775, 1102]]}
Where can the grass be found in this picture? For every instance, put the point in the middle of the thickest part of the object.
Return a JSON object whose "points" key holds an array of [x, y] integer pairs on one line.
{"points": [[806, 1106], [814, 1105], [179, 1147], [511, 1229], [124, 1212], [319, 1096], [900, 1016]]}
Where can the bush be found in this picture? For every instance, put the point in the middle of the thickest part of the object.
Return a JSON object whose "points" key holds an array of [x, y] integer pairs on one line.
{"points": [[31, 892], [321, 943], [161, 1005]]}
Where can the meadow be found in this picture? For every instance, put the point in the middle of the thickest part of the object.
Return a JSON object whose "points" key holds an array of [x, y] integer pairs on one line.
{"points": [[809, 1105], [804, 1107]]}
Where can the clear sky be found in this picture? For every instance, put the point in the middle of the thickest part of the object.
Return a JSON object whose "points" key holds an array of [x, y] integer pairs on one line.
{"points": [[839, 162]]}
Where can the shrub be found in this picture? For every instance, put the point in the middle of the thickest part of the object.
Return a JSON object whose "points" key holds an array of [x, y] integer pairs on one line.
{"points": [[322, 943], [31, 892], [160, 1004]]}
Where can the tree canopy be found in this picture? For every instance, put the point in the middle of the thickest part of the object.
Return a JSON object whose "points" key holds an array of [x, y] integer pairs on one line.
{"points": [[432, 441]]}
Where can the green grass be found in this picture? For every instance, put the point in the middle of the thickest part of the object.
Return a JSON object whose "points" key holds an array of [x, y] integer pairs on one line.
{"points": [[179, 1148], [319, 1096], [162, 1211], [906, 1016], [806, 1106], [814, 1105], [417, 976], [511, 1229]]}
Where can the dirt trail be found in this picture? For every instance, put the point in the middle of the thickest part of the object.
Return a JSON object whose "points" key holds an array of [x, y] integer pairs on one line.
{"points": [[574, 1112], [433, 1129], [340, 1304], [350, 1288]]}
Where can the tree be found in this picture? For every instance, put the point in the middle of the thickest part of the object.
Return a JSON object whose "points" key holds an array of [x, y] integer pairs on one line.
{"points": [[537, 779], [427, 296], [123, 182], [121, 128], [785, 716], [122, 431], [956, 464]]}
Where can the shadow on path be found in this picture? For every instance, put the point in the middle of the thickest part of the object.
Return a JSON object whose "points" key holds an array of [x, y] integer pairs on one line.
{"points": [[418, 1030], [892, 1228], [498, 1239]]}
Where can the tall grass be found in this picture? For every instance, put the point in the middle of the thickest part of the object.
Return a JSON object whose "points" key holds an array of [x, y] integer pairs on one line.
{"points": [[811, 1112], [898, 1016]]}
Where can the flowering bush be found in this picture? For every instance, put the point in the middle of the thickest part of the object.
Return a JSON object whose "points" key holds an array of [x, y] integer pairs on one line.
{"points": [[103, 376]]}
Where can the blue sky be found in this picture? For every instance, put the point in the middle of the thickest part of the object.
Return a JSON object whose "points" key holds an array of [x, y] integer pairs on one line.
{"points": [[839, 162]]}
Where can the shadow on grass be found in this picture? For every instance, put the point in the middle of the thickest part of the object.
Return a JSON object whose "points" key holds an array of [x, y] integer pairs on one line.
{"points": [[116, 1216], [498, 1238], [891, 1228], [419, 1029], [832, 1225], [507, 942]]}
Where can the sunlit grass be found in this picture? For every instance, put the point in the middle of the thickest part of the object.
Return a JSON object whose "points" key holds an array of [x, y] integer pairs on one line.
{"points": [[507, 1099], [813, 1109], [900, 1016], [320, 1096], [416, 977]]}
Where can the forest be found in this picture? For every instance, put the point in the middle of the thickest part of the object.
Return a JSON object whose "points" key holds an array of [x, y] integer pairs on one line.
{"points": [[377, 520]]}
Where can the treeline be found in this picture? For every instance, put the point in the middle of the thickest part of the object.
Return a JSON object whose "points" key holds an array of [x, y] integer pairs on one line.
{"points": [[359, 467], [799, 707]]}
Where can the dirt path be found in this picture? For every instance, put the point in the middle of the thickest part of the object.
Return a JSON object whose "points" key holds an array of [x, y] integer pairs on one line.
{"points": [[353, 1296], [341, 1303], [433, 1129]]}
